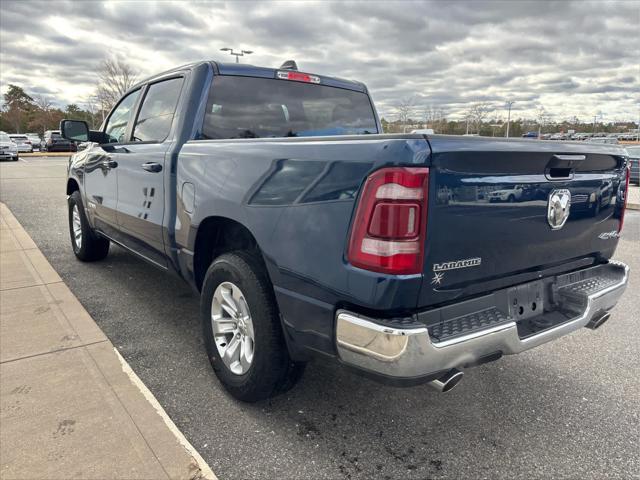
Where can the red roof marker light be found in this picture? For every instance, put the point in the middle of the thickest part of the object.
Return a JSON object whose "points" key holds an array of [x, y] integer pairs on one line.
{"points": [[298, 77]]}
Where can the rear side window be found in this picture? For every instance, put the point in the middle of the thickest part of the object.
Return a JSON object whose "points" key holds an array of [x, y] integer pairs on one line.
{"points": [[247, 107], [116, 127], [158, 108]]}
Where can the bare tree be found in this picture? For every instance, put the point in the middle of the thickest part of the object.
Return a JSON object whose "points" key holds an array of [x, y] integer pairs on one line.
{"points": [[115, 77], [92, 104], [404, 109], [476, 113], [433, 115], [42, 115], [543, 117]]}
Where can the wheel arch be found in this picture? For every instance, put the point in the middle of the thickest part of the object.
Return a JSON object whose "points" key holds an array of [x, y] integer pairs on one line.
{"points": [[72, 186], [217, 235]]}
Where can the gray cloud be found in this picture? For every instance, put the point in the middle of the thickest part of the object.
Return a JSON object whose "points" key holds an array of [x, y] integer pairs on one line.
{"points": [[572, 57]]}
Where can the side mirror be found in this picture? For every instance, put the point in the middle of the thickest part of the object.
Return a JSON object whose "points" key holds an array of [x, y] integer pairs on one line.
{"points": [[78, 131], [74, 130]]}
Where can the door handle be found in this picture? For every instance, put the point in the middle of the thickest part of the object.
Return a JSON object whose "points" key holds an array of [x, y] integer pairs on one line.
{"points": [[110, 163], [152, 167]]}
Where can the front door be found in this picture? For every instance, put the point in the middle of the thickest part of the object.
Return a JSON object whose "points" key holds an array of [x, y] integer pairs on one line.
{"points": [[100, 171], [143, 170]]}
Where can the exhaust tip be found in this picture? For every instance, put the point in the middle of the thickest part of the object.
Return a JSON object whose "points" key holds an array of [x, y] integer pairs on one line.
{"points": [[598, 321], [448, 381]]}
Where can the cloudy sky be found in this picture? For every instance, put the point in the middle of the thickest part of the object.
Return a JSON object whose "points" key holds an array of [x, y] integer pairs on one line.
{"points": [[573, 58]]}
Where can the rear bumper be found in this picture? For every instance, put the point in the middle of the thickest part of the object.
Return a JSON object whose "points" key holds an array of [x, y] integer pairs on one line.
{"points": [[398, 352]]}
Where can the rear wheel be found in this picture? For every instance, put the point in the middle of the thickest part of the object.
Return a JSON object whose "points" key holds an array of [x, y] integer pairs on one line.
{"points": [[87, 246], [242, 331]]}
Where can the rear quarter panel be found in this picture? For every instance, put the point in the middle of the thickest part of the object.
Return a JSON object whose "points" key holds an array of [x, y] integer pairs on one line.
{"points": [[297, 196]]}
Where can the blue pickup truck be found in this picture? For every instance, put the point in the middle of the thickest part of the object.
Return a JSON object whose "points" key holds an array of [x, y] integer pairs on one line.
{"points": [[310, 234]]}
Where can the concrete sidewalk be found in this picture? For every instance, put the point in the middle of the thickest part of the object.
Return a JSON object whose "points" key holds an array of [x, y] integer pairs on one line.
{"points": [[70, 406]]}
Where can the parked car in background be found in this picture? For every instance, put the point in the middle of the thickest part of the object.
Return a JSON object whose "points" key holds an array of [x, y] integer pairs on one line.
{"points": [[558, 136], [530, 135], [23, 143], [53, 142], [511, 194], [36, 141], [8, 149], [607, 140], [634, 158], [423, 131], [629, 136]]}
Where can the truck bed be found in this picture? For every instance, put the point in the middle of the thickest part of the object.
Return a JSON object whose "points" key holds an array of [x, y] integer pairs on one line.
{"points": [[297, 196]]}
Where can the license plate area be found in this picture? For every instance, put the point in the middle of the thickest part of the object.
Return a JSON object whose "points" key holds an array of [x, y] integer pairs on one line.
{"points": [[526, 301]]}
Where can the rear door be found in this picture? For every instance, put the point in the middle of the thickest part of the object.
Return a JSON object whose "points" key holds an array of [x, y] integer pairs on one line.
{"points": [[504, 212], [142, 170], [101, 183]]}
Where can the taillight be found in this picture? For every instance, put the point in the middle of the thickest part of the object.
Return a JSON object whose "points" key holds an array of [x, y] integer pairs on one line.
{"points": [[626, 197], [390, 224]]}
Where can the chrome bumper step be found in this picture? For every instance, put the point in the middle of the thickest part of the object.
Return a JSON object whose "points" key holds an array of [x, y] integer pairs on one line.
{"points": [[460, 334]]}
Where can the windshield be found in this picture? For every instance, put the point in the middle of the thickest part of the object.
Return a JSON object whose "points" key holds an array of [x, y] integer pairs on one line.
{"points": [[18, 137], [248, 107], [4, 137]]}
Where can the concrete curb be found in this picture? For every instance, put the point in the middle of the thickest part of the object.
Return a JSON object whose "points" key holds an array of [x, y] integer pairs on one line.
{"points": [[71, 407], [205, 471], [45, 154]]}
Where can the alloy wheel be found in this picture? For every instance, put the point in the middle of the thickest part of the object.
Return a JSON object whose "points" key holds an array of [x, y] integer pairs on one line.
{"points": [[232, 327]]}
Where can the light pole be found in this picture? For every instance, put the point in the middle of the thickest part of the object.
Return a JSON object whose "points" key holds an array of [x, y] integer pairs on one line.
{"points": [[239, 54], [509, 103]]}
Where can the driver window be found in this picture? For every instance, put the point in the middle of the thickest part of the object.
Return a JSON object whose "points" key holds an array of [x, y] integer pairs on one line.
{"points": [[117, 124]]}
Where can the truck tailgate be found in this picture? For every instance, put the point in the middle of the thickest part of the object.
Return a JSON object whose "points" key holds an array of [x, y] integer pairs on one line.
{"points": [[489, 203]]}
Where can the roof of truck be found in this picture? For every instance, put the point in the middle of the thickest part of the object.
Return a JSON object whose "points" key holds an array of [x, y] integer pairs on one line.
{"points": [[246, 70], [243, 69]]}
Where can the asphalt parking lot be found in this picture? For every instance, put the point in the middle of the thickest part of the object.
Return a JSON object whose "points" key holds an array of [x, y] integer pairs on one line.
{"points": [[570, 409]]}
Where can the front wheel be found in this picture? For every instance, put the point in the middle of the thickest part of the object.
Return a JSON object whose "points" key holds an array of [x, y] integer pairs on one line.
{"points": [[87, 246], [242, 331]]}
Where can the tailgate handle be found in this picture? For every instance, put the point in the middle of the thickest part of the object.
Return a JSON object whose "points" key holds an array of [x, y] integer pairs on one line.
{"points": [[561, 167]]}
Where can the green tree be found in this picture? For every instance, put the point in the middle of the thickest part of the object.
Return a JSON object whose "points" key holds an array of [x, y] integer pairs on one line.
{"points": [[73, 111], [17, 107]]}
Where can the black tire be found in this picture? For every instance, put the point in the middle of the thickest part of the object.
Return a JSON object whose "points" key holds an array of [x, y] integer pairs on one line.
{"points": [[271, 371], [92, 247], [512, 199]]}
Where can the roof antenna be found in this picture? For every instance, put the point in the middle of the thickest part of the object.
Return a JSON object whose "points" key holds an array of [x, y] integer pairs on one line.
{"points": [[289, 65]]}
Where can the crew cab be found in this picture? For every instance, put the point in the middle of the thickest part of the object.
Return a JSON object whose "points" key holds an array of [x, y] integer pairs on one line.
{"points": [[310, 234]]}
